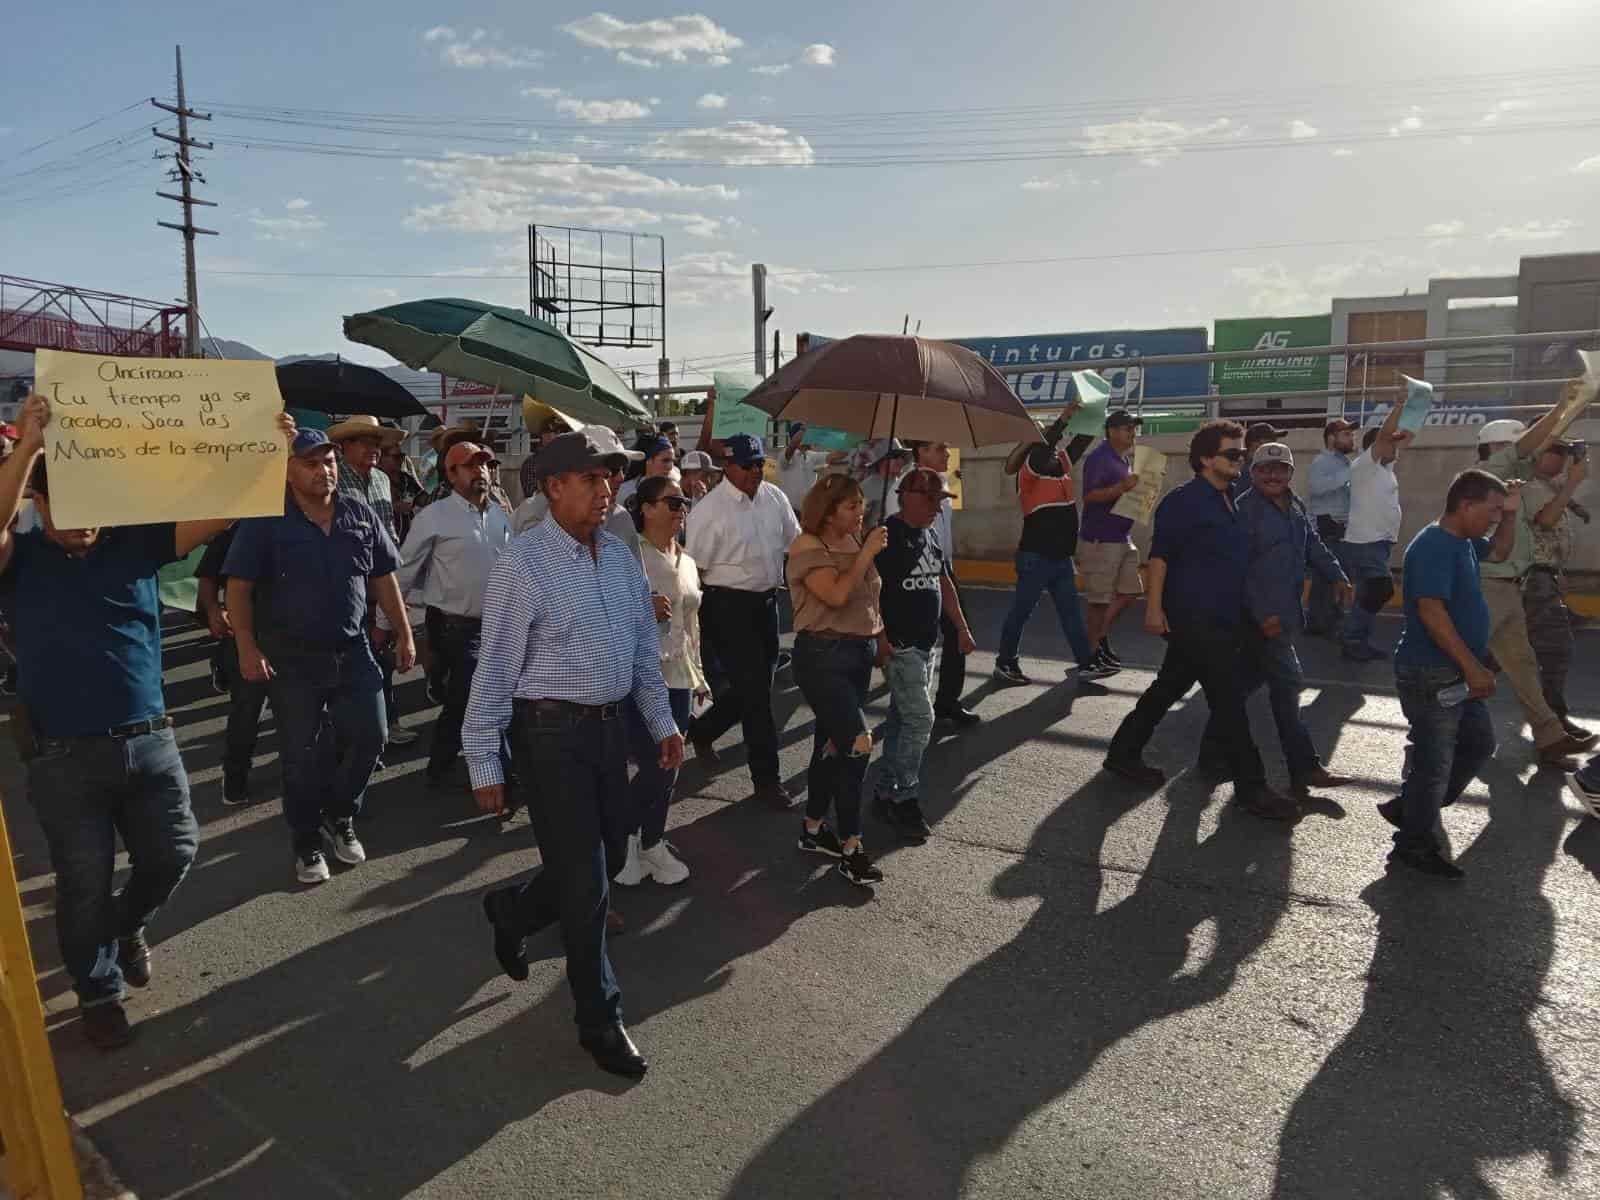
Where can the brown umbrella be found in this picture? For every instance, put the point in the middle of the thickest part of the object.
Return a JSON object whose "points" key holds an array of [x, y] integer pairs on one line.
{"points": [[888, 385]]}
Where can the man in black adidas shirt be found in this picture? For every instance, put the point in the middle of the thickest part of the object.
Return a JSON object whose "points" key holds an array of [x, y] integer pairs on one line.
{"points": [[917, 589]]}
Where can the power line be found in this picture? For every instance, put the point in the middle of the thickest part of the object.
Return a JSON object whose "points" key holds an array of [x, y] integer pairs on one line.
{"points": [[49, 141]]}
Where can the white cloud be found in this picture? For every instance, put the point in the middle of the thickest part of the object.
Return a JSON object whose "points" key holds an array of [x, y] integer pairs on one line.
{"points": [[297, 204], [702, 226], [284, 229], [1300, 130], [711, 100], [1534, 231], [1409, 123], [1589, 166], [705, 277], [1505, 106], [543, 93], [818, 54], [1041, 185], [1445, 229], [771, 69], [601, 112], [646, 43], [1274, 289], [1153, 141], [499, 193], [477, 49], [1344, 152], [736, 144]]}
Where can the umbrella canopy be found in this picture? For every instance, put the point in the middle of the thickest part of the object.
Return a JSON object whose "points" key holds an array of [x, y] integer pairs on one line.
{"points": [[500, 348], [886, 385], [333, 386]]}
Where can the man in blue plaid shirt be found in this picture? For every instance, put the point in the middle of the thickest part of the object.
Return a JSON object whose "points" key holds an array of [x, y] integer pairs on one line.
{"points": [[569, 637]]}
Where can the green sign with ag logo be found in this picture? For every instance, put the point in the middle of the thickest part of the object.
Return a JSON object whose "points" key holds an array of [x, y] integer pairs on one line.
{"points": [[1294, 373]]}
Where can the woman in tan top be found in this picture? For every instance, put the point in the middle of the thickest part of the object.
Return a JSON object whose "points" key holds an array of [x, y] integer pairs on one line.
{"points": [[835, 587]]}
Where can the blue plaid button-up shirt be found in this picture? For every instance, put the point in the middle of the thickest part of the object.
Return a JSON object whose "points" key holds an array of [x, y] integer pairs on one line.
{"points": [[561, 623]]}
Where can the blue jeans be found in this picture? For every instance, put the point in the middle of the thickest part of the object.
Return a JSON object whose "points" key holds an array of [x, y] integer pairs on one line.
{"points": [[905, 734], [652, 786], [1274, 662], [1447, 748], [1363, 561], [87, 790], [1037, 574], [1323, 613], [573, 772], [331, 727], [833, 675]]}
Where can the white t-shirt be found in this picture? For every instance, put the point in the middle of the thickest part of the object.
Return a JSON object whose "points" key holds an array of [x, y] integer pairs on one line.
{"points": [[1374, 501], [798, 475]]}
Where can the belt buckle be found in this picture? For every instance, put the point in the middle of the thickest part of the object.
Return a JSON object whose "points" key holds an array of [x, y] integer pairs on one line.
{"points": [[609, 712]]}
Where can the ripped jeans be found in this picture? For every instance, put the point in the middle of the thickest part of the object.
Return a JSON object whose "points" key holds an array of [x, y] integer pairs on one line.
{"points": [[833, 674]]}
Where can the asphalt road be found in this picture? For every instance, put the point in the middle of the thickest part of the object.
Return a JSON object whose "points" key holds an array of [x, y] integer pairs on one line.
{"points": [[1075, 989]]}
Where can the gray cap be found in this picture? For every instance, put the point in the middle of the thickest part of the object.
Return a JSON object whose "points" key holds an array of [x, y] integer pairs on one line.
{"points": [[576, 452], [1272, 452]]}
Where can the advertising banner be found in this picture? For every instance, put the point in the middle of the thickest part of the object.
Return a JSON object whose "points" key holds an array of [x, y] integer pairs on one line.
{"points": [[1251, 376], [1057, 355]]}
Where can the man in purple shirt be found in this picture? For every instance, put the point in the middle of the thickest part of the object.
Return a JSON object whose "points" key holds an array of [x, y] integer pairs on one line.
{"points": [[1107, 557]]}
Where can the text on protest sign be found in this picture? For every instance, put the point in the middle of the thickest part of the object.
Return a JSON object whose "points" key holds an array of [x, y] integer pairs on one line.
{"points": [[133, 441]]}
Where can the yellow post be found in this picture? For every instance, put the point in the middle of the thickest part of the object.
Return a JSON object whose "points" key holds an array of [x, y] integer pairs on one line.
{"points": [[38, 1162]]}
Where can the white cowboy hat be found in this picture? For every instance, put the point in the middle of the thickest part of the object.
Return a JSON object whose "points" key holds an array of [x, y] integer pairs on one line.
{"points": [[365, 426]]}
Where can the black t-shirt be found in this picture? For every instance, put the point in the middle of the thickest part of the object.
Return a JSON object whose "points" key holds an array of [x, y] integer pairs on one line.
{"points": [[911, 566]]}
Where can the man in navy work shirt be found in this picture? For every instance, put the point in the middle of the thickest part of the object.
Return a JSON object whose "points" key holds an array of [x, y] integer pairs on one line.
{"points": [[1443, 644], [1199, 557], [1282, 543], [297, 594], [101, 755], [569, 637]]}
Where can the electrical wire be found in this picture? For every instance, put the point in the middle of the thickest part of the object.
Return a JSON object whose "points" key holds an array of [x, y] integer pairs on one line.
{"points": [[49, 141]]}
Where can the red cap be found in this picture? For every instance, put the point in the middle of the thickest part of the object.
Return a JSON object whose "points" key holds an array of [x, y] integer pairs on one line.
{"points": [[466, 452]]}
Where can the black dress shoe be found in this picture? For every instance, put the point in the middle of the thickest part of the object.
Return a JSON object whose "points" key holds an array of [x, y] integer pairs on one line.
{"points": [[706, 752], [106, 1026], [614, 1051], [776, 795], [133, 956], [507, 945], [958, 714], [1137, 770]]}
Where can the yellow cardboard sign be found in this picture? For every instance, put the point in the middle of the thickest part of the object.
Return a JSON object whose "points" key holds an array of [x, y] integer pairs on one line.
{"points": [[133, 441]]}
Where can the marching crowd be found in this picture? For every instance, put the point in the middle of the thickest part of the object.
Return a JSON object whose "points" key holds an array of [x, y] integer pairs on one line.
{"points": [[631, 606]]}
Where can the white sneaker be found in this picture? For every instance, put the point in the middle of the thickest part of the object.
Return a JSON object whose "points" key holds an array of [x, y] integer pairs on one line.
{"points": [[661, 864], [401, 736], [633, 872], [341, 835], [311, 867]]}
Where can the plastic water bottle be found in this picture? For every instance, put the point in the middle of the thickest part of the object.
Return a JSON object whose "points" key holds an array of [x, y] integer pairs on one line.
{"points": [[1454, 694]]}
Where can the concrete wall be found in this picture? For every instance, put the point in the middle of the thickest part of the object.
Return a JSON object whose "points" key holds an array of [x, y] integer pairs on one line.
{"points": [[988, 526]]}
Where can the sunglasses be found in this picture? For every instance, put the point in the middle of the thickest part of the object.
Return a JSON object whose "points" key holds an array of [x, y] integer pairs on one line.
{"points": [[1234, 455], [676, 503]]}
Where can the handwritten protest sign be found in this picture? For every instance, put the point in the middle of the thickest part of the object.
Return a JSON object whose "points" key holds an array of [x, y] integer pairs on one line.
{"points": [[132, 441], [731, 414], [1150, 465], [1418, 404], [1578, 395], [1093, 393]]}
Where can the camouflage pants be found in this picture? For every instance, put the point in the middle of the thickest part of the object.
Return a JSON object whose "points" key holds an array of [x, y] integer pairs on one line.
{"points": [[1550, 634]]}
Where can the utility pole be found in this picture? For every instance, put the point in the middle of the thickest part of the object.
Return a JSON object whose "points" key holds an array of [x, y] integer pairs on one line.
{"points": [[758, 287], [186, 176], [777, 342]]}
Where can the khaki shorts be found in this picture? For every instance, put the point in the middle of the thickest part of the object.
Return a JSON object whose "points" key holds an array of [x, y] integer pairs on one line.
{"points": [[1109, 569]]}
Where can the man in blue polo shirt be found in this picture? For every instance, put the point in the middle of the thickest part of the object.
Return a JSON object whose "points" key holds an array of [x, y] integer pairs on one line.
{"points": [[1199, 558], [1442, 646], [297, 592], [101, 755]]}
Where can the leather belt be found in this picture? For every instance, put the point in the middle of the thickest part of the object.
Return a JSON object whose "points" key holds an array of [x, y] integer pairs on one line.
{"points": [[119, 732], [571, 708]]}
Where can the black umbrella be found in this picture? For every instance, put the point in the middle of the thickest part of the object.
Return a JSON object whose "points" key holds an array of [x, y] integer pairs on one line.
{"points": [[334, 386]]}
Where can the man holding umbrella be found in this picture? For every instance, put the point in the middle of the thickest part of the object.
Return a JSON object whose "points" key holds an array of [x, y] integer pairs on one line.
{"points": [[738, 535]]}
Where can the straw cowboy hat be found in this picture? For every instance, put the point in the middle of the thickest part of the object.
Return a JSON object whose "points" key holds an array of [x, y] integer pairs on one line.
{"points": [[445, 436], [365, 426]]}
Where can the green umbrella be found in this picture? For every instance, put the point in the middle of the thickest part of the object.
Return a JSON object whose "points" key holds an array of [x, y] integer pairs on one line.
{"points": [[500, 348]]}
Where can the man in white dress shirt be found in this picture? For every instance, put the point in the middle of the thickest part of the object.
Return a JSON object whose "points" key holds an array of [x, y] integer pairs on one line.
{"points": [[451, 548], [738, 536], [799, 465]]}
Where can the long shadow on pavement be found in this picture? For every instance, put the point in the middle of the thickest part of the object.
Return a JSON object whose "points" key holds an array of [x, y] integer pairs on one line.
{"points": [[1442, 1073], [1022, 1027]]}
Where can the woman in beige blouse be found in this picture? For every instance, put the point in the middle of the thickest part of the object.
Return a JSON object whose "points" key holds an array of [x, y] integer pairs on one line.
{"points": [[835, 587], [658, 506]]}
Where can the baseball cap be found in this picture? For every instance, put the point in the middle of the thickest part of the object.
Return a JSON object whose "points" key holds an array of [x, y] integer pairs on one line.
{"points": [[1264, 430], [745, 450], [463, 452], [1338, 425], [881, 448], [923, 479], [610, 443], [1272, 452], [10, 431], [309, 441], [577, 452], [1122, 417], [654, 446], [697, 460], [1505, 430]]}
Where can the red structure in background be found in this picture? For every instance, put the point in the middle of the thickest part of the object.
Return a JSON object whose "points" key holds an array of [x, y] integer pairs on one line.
{"points": [[55, 316]]}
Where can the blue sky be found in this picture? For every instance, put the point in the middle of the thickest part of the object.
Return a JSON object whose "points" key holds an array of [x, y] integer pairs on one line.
{"points": [[1304, 141]]}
